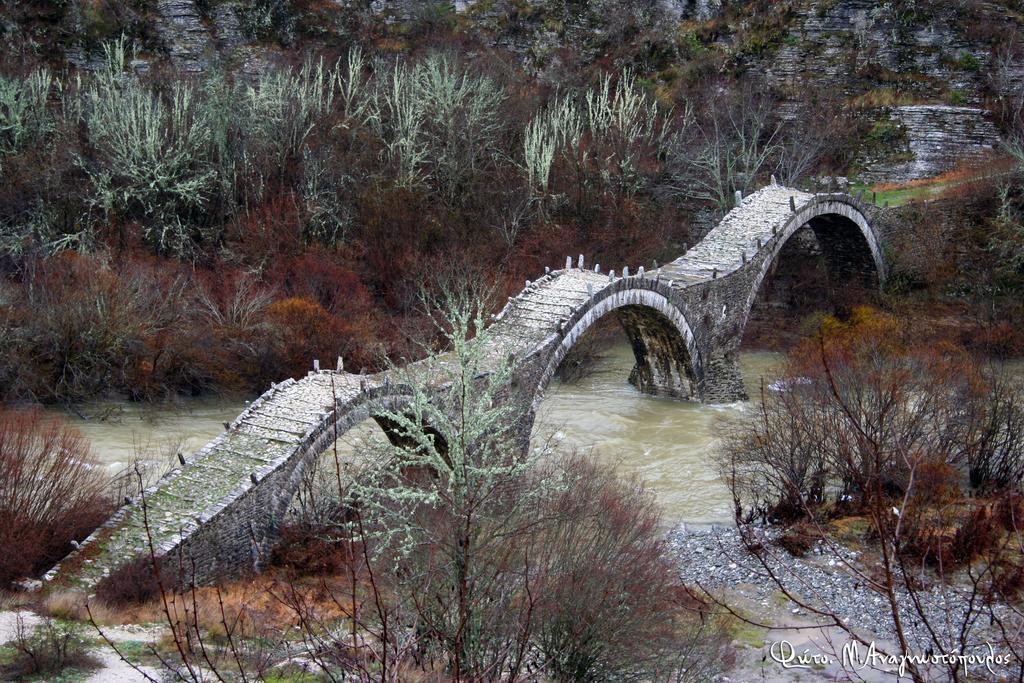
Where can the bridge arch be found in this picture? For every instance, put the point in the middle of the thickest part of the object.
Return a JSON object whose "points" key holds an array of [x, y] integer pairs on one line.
{"points": [[245, 523], [668, 361], [348, 413], [851, 249]]}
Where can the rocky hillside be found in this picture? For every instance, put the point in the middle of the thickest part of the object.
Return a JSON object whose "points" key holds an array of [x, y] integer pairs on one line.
{"points": [[926, 78], [922, 72]]}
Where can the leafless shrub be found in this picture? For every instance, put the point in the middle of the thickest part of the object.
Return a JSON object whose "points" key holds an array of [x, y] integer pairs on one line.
{"points": [[51, 492], [48, 650], [726, 150]]}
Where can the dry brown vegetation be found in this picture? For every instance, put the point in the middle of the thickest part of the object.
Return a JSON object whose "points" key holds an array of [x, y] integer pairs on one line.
{"points": [[52, 492]]}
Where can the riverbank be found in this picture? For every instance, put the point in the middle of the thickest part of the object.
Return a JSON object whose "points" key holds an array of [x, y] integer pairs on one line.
{"points": [[768, 629], [715, 560]]}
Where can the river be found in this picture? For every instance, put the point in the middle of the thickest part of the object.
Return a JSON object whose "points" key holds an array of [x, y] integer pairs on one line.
{"points": [[667, 443]]}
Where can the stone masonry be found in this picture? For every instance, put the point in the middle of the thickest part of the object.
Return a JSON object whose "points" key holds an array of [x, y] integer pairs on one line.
{"points": [[219, 511]]}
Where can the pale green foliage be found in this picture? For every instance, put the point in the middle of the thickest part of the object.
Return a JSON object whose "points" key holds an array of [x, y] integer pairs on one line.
{"points": [[437, 122], [398, 120], [266, 19], [447, 529], [223, 110], [36, 229], [622, 123], [354, 95], [557, 127], [626, 112], [608, 126], [285, 107], [27, 123], [464, 433], [24, 119], [1006, 240], [539, 146], [153, 153], [462, 116], [329, 216]]}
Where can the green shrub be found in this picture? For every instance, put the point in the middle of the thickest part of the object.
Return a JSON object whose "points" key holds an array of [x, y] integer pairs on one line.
{"points": [[267, 20], [152, 154], [437, 121], [966, 61], [24, 119]]}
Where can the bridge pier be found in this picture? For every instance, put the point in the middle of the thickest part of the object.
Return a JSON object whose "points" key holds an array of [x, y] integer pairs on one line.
{"points": [[723, 380], [659, 380]]}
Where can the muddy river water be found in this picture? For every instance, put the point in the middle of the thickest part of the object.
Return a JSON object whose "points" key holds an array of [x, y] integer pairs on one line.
{"points": [[667, 443]]}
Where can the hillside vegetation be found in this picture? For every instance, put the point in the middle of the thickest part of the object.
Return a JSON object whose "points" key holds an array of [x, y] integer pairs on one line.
{"points": [[206, 196]]}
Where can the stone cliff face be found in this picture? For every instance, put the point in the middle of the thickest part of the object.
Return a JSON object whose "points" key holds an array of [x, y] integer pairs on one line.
{"points": [[183, 31], [848, 44], [937, 137], [696, 10], [912, 72]]}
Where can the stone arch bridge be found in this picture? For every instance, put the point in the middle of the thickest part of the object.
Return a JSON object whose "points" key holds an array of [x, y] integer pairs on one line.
{"points": [[684, 320]]}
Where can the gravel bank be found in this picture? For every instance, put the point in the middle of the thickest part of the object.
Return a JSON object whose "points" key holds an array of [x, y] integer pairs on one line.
{"points": [[716, 559]]}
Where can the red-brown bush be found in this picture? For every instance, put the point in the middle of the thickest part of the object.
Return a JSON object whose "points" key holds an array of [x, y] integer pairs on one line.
{"points": [[51, 492], [133, 583], [310, 551], [318, 275], [269, 231], [304, 331]]}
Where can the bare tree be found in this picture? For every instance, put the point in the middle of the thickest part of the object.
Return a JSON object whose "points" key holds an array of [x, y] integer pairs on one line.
{"points": [[809, 137], [51, 492], [725, 150]]}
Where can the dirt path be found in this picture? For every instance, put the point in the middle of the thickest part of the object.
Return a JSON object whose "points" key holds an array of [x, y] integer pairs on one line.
{"points": [[112, 668], [9, 623]]}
